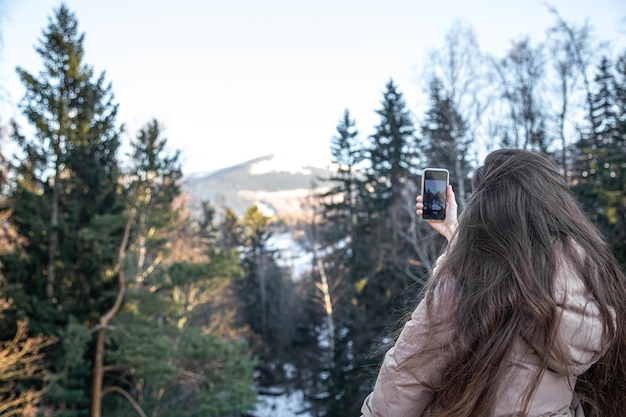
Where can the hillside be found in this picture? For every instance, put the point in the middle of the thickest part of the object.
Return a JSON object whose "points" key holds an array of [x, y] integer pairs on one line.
{"points": [[268, 182]]}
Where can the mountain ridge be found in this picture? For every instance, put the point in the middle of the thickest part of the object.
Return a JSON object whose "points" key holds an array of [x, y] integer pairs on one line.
{"points": [[263, 181]]}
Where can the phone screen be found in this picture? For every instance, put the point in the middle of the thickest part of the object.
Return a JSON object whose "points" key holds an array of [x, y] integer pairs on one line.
{"points": [[435, 184]]}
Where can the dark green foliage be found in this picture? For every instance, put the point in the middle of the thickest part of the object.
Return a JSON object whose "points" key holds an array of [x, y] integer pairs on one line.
{"points": [[599, 178], [339, 202], [142, 342], [67, 387], [445, 139], [183, 372], [222, 364], [66, 202], [161, 353], [387, 204], [393, 149]]}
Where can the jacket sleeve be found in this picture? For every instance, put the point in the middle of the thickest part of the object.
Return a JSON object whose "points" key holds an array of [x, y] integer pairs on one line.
{"points": [[581, 324], [401, 387]]}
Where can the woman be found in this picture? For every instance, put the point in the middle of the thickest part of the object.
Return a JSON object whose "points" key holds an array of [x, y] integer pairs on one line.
{"points": [[525, 314]]}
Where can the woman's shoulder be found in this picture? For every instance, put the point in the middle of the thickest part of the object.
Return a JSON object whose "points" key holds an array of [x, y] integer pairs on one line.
{"points": [[581, 323]]}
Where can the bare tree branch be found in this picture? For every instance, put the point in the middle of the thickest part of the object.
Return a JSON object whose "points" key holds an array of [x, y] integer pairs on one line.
{"points": [[98, 371]]}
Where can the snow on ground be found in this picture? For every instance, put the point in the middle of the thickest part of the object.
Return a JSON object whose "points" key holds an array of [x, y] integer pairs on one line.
{"points": [[288, 404], [292, 255]]}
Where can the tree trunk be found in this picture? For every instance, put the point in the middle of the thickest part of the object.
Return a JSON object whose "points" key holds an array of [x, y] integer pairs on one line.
{"points": [[52, 236], [324, 288], [126, 395], [461, 177], [98, 369]]}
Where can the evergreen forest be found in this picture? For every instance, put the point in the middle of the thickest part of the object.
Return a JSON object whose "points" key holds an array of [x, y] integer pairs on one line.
{"points": [[116, 300]]}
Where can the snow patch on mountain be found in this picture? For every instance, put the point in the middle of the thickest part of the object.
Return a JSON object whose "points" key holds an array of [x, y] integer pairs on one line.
{"points": [[279, 163], [284, 202]]}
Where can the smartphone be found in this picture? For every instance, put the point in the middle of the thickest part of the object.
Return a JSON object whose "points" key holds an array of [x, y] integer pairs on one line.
{"points": [[434, 193]]}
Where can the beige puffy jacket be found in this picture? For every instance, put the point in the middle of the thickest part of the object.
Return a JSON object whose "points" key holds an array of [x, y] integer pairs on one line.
{"points": [[398, 391]]}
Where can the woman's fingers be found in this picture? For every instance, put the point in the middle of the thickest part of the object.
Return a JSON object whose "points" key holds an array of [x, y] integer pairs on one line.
{"points": [[448, 226], [419, 205]]}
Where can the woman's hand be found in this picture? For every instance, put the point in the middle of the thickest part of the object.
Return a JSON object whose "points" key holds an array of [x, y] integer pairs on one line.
{"points": [[447, 226]]}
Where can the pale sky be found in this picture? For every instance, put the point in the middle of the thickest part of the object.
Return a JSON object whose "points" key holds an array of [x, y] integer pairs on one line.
{"points": [[233, 80]]}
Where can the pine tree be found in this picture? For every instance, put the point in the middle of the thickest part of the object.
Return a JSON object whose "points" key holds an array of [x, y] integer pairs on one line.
{"points": [[22, 363], [67, 202], [388, 197], [383, 272], [152, 184], [176, 269], [332, 289], [339, 202], [444, 139], [393, 152], [599, 170]]}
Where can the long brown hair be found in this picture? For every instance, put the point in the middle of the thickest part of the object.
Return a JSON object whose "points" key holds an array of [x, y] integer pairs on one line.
{"points": [[503, 259]]}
